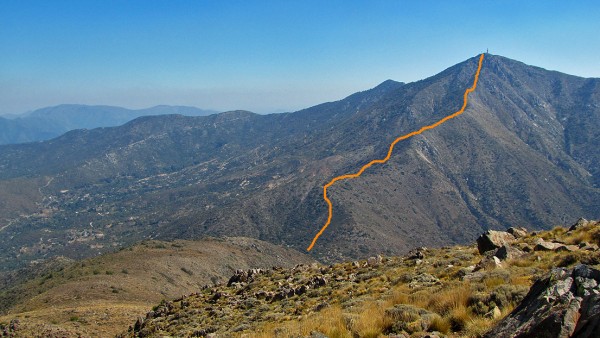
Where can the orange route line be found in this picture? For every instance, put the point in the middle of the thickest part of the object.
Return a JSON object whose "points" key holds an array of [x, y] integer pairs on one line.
{"points": [[389, 154]]}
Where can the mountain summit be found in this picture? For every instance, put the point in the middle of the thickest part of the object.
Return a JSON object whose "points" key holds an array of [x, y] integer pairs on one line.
{"points": [[525, 153]]}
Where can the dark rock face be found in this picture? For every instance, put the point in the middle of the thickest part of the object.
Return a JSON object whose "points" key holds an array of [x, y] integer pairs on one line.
{"points": [[493, 240], [564, 304]]}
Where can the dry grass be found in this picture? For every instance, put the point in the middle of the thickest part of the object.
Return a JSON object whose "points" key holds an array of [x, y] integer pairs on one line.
{"points": [[453, 298], [372, 320], [587, 234], [440, 324], [521, 280], [330, 321], [478, 326]]}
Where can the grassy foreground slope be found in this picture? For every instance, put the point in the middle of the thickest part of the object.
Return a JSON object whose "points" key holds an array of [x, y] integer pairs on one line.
{"points": [[453, 291]]}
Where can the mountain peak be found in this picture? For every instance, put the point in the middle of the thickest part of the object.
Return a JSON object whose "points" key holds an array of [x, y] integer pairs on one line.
{"points": [[389, 84]]}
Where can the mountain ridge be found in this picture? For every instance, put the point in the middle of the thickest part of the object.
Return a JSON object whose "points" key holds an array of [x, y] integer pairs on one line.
{"points": [[503, 162], [49, 122]]}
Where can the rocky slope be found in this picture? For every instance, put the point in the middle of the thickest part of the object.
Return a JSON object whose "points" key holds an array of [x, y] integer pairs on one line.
{"points": [[96, 297], [454, 291], [566, 303], [524, 152]]}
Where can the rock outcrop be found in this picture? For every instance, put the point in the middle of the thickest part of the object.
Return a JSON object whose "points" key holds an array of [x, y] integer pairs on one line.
{"points": [[564, 304], [493, 240], [579, 224], [508, 252], [518, 232]]}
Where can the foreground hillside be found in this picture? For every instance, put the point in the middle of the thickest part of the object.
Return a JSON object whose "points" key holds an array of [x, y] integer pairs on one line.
{"points": [[455, 291], [100, 296], [461, 291]]}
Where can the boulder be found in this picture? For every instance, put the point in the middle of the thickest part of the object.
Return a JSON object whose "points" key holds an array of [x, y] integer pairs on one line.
{"points": [[566, 303], [525, 247], [588, 247], [492, 240], [542, 245], [317, 334], [494, 313], [372, 261], [519, 232], [14, 325], [569, 248], [508, 252], [240, 276], [579, 224], [418, 253], [488, 262]]}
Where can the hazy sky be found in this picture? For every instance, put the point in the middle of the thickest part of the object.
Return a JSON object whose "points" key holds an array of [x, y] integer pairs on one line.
{"points": [[268, 56]]}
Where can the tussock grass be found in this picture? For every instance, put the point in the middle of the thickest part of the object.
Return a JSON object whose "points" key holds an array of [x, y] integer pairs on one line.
{"points": [[453, 298], [440, 324], [372, 321]]}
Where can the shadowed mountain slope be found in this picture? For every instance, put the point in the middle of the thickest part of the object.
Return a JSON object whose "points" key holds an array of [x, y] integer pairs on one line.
{"points": [[524, 153]]}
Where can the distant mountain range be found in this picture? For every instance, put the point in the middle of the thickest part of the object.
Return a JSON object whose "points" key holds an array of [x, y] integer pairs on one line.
{"points": [[46, 123], [525, 152]]}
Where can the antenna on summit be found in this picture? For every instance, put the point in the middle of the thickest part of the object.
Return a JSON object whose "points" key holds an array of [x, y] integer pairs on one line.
{"points": [[487, 51]]}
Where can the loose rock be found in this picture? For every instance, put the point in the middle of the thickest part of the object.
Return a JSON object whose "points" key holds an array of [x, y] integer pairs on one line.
{"points": [[542, 245], [517, 232], [579, 224], [508, 252], [492, 240]]}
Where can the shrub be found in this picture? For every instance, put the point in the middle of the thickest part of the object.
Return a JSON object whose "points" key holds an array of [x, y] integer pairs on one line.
{"points": [[508, 294]]}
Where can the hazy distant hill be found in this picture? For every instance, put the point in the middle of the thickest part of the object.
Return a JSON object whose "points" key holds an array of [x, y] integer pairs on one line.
{"points": [[50, 122], [525, 152]]}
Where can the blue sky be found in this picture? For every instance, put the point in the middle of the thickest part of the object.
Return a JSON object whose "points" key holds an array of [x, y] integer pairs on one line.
{"points": [[268, 56]]}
